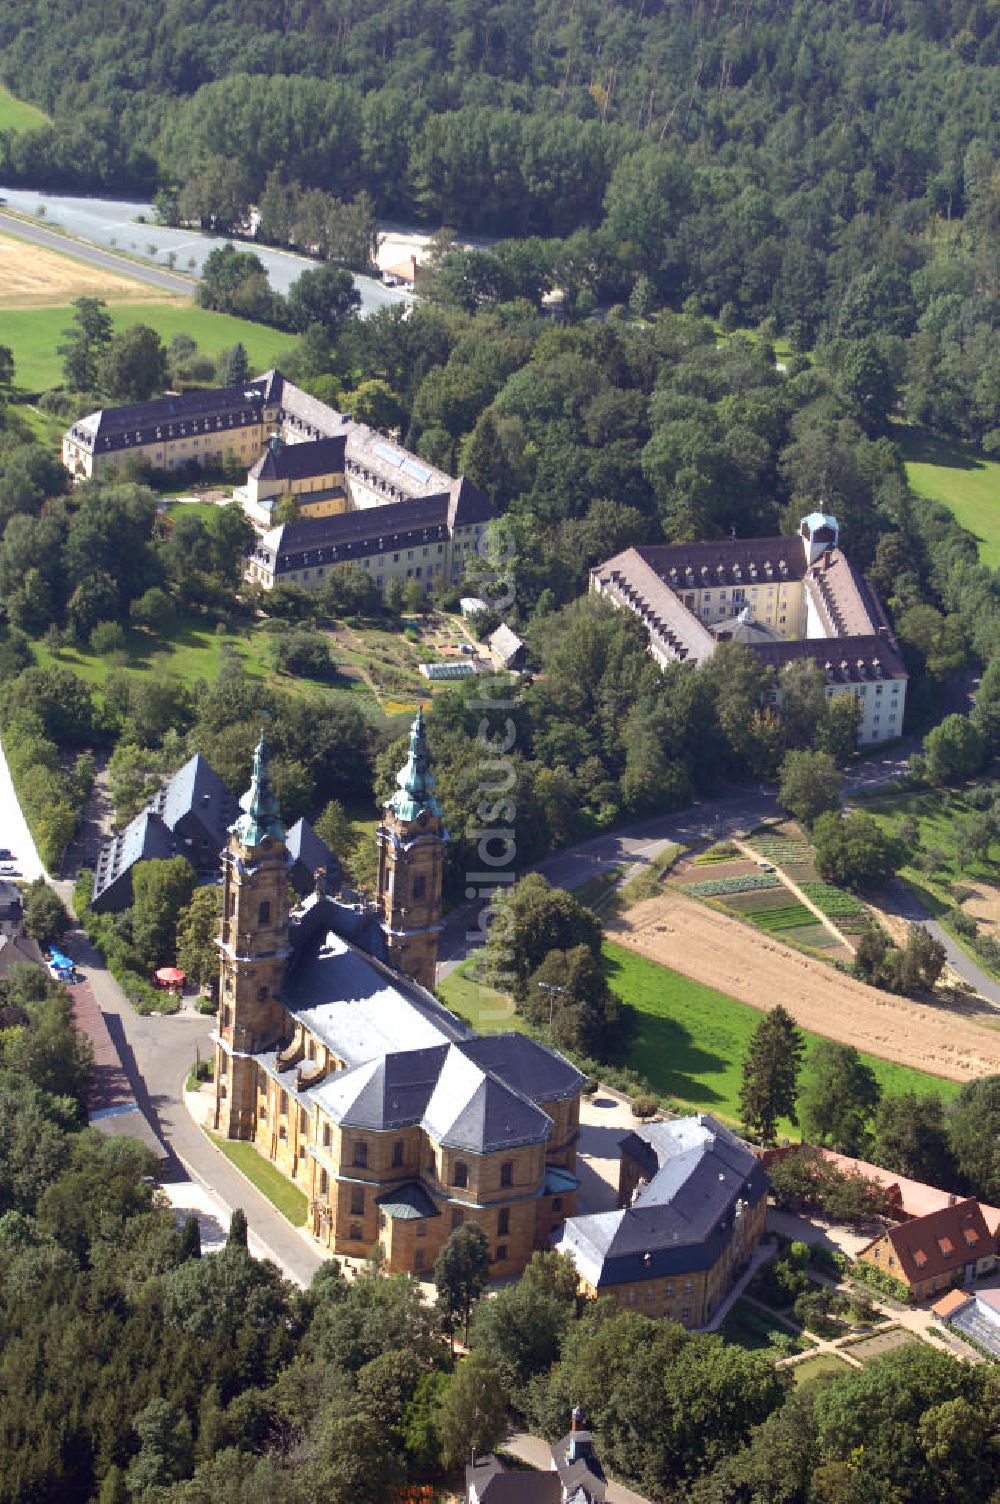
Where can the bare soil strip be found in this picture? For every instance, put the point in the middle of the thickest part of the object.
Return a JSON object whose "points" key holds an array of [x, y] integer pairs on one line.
{"points": [[956, 1038]]}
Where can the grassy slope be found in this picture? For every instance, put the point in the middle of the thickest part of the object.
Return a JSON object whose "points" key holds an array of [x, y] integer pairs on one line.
{"points": [[35, 333], [690, 1040], [966, 484], [939, 813], [189, 651], [269, 1180], [17, 114]]}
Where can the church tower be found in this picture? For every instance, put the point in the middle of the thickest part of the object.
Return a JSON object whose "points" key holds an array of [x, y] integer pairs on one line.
{"points": [[411, 841], [253, 949]]}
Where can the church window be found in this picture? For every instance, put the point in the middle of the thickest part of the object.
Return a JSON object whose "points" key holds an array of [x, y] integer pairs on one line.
{"points": [[355, 1234], [460, 1174], [507, 1173], [262, 994], [419, 885], [397, 1153], [503, 1221], [421, 1228], [361, 1154], [357, 1200], [264, 912]]}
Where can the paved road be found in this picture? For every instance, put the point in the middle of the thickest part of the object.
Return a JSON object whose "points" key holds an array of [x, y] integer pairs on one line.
{"points": [[107, 223], [157, 1053], [636, 846], [52, 240], [899, 900]]}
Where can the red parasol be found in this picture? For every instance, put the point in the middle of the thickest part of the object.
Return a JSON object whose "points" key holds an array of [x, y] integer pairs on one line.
{"points": [[170, 975]]}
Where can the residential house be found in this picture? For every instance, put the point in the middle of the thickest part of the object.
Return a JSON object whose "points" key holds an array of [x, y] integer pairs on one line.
{"points": [[487, 1481], [952, 1246]]}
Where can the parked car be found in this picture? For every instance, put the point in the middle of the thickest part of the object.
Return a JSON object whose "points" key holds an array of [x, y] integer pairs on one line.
{"points": [[6, 855], [765, 866]]}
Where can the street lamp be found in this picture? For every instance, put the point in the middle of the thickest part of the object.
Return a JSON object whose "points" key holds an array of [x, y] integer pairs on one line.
{"points": [[551, 989]]}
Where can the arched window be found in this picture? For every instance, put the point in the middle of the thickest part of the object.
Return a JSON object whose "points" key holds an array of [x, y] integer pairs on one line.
{"points": [[264, 912], [460, 1174]]}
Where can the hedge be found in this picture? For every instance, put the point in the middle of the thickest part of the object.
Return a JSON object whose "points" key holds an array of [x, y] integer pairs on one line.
{"points": [[124, 963], [51, 798]]}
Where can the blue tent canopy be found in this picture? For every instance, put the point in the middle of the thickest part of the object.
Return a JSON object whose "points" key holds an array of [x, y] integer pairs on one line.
{"points": [[61, 962]]}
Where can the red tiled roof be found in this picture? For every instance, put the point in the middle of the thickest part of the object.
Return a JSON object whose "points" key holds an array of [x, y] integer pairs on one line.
{"points": [[938, 1244]]}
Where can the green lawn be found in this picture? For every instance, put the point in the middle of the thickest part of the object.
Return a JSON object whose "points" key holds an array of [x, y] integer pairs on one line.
{"points": [[17, 114], [967, 484], [811, 1368], [35, 333], [487, 1011], [750, 1327], [190, 650], [289, 1200], [690, 1040]]}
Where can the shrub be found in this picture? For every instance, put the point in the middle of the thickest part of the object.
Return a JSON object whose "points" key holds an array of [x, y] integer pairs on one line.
{"points": [[644, 1107]]}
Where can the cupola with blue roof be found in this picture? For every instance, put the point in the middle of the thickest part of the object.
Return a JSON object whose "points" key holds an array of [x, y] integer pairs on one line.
{"points": [[411, 839], [261, 817], [416, 785]]}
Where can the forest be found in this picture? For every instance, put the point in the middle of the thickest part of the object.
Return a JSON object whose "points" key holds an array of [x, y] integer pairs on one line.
{"points": [[829, 165]]}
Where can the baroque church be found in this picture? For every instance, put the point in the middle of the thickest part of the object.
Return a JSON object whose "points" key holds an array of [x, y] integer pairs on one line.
{"points": [[335, 1059]]}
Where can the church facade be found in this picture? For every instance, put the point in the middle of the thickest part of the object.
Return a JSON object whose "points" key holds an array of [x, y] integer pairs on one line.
{"points": [[334, 1058]]}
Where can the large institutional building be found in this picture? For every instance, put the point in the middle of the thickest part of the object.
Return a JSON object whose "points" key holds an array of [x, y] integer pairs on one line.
{"points": [[358, 497], [786, 598], [692, 1200], [333, 1057]]}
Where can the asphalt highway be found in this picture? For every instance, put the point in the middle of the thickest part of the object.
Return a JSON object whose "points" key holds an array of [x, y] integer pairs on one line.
{"points": [[140, 271]]}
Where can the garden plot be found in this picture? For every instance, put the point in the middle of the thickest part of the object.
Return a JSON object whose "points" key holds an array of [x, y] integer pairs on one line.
{"points": [[879, 1343]]}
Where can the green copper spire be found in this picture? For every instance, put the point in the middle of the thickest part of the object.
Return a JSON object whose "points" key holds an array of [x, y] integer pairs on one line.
{"points": [[261, 817], [416, 786]]}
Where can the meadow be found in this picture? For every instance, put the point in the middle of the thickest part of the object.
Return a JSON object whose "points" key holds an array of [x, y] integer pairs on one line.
{"points": [[689, 1041], [966, 483], [18, 114], [34, 334]]}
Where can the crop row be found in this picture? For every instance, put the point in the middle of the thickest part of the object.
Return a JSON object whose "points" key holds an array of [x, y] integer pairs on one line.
{"points": [[718, 887], [784, 852], [787, 918], [831, 900]]}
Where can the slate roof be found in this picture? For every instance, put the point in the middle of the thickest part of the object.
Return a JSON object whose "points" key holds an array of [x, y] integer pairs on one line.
{"points": [[146, 838], [197, 789], [441, 1089], [579, 1467], [360, 1008], [139, 422], [348, 535], [195, 793], [308, 852], [18, 950], [476, 1110], [844, 660], [682, 1220], [727, 561], [941, 1243], [542, 1074], [495, 1485], [300, 461]]}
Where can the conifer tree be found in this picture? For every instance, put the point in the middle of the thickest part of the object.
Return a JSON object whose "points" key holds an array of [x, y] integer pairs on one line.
{"points": [[770, 1073]]}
